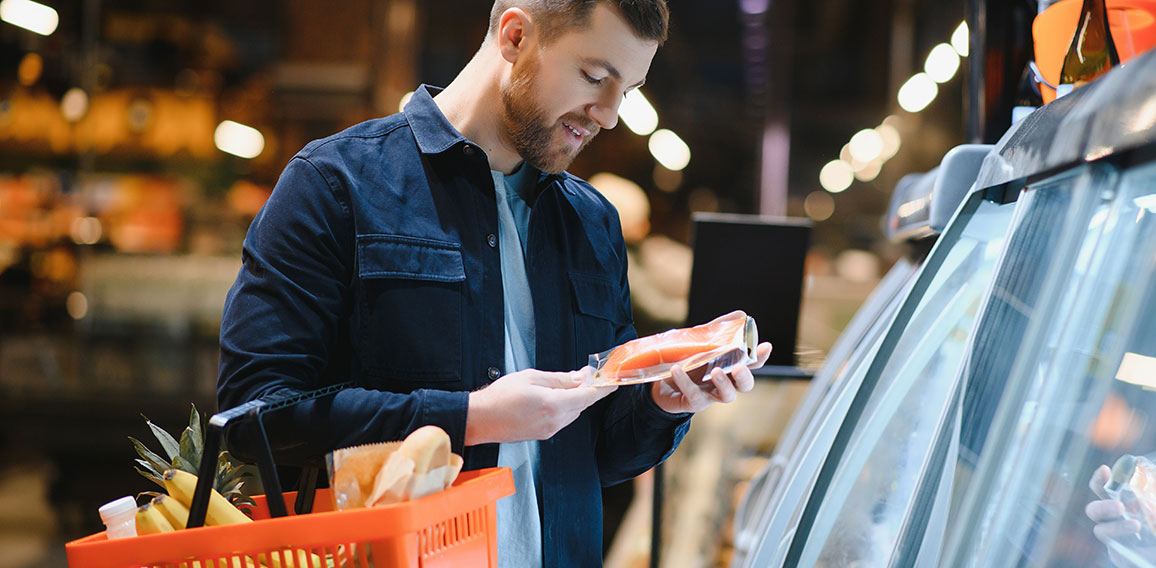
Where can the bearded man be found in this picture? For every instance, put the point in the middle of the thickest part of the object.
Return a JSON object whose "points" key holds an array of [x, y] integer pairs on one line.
{"points": [[443, 262]]}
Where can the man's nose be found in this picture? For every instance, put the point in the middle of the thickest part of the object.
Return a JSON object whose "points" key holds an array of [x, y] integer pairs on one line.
{"points": [[605, 111]]}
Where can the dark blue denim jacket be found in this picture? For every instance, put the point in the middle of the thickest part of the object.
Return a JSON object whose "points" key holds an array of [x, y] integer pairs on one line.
{"points": [[375, 261]]}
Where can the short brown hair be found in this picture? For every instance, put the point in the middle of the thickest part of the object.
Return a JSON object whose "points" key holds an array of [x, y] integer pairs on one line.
{"points": [[648, 18]]}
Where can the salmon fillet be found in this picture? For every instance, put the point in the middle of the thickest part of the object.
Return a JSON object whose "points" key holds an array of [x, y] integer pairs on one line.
{"points": [[726, 341]]}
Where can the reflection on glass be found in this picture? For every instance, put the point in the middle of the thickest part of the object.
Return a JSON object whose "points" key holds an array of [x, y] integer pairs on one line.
{"points": [[1043, 494], [864, 508], [855, 345]]}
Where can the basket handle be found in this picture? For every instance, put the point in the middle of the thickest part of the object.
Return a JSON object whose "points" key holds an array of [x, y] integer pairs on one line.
{"points": [[253, 410]]}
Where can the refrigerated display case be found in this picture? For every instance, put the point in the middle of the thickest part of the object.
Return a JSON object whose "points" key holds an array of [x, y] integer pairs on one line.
{"points": [[921, 206], [1019, 368]]}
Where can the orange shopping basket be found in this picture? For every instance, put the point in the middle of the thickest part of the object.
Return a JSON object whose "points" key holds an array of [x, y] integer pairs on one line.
{"points": [[456, 527]]}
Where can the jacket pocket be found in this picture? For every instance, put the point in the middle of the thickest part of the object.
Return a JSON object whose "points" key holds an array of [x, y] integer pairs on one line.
{"points": [[411, 308], [599, 312]]}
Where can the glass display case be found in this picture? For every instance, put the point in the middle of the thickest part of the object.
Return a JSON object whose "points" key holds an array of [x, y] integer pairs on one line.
{"points": [[1077, 400], [859, 500], [765, 521], [1005, 417]]}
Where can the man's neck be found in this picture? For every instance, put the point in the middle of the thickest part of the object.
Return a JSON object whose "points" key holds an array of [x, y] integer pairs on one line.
{"points": [[472, 104]]}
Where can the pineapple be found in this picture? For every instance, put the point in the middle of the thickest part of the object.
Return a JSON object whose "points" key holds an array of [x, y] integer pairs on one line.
{"points": [[185, 455]]}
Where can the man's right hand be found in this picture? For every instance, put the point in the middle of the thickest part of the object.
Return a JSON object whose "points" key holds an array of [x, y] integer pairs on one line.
{"points": [[1108, 513], [1112, 528], [529, 405]]}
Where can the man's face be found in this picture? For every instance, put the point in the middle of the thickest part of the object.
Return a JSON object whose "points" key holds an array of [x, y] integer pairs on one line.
{"points": [[560, 95]]}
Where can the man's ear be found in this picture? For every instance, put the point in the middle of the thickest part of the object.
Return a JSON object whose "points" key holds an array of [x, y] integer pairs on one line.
{"points": [[514, 27]]}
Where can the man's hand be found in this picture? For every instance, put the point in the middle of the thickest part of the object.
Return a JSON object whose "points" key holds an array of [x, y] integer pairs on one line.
{"points": [[529, 405], [682, 393], [1119, 535], [1108, 513]]}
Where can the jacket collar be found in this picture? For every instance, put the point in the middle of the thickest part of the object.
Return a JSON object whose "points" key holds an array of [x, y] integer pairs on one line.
{"points": [[431, 128], [435, 134]]}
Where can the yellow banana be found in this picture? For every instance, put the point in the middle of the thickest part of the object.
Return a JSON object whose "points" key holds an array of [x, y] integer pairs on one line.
{"points": [[173, 510], [293, 559], [150, 521], [182, 484]]}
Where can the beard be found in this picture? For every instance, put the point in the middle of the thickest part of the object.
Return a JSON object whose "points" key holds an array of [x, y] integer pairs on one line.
{"points": [[534, 136]]}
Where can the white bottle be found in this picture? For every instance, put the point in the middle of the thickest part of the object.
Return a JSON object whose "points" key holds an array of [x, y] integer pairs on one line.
{"points": [[119, 517]]}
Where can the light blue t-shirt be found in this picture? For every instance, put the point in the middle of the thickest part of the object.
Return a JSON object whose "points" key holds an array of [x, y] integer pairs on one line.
{"points": [[519, 518]]}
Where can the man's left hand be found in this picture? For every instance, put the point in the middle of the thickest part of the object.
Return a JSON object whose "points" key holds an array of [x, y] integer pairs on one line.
{"points": [[682, 393]]}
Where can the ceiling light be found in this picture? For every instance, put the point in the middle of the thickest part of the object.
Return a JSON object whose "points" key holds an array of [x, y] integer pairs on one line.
{"points": [[891, 140], [637, 113], [32, 16], [866, 145], [819, 205], [239, 140], [669, 150], [959, 39], [917, 93], [942, 63], [836, 176]]}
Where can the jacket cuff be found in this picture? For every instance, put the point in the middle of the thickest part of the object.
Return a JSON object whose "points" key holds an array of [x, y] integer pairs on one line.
{"points": [[446, 409], [652, 411]]}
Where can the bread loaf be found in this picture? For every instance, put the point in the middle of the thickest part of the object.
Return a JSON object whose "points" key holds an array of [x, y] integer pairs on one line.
{"points": [[428, 447]]}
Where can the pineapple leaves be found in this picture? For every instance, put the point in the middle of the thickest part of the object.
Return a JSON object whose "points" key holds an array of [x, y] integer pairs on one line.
{"points": [[186, 455], [168, 443], [196, 433], [148, 475], [157, 463]]}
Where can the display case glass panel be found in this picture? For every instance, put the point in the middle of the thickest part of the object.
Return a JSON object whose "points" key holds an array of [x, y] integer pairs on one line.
{"points": [[927, 339], [1073, 407]]}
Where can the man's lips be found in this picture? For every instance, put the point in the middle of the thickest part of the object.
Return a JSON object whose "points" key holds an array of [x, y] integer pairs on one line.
{"points": [[578, 131]]}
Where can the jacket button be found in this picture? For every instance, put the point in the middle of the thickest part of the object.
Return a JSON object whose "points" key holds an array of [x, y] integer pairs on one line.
{"points": [[492, 240], [468, 150], [493, 373]]}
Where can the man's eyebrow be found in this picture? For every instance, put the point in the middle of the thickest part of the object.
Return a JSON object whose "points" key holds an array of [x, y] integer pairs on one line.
{"points": [[611, 69]]}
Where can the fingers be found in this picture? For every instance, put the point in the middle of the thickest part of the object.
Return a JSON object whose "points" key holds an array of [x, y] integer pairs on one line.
{"points": [[556, 380], [1099, 478], [694, 395], [724, 389], [1104, 510], [742, 378], [762, 353], [1116, 530]]}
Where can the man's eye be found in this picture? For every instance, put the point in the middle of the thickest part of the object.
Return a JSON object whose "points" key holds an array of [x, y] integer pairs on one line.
{"points": [[591, 80]]}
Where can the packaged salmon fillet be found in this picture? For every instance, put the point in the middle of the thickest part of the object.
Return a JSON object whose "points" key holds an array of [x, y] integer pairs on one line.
{"points": [[1133, 483], [723, 343]]}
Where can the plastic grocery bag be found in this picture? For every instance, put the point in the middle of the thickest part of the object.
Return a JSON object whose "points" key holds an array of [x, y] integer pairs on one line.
{"points": [[723, 343]]}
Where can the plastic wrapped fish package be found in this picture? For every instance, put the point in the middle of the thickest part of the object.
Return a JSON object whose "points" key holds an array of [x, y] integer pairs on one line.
{"points": [[724, 343]]}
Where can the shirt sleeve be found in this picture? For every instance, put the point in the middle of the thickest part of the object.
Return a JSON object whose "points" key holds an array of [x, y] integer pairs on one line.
{"points": [[285, 330], [636, 434]]}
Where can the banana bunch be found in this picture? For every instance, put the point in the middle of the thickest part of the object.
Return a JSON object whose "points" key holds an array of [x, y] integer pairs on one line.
{"points": [[167, 513]]}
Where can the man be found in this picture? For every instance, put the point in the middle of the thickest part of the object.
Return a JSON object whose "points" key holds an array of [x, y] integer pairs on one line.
{"points": [[436, 258]]}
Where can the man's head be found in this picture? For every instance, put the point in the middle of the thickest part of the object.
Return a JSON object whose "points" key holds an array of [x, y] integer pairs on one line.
{"points": [[571, 62], [648, 18]]}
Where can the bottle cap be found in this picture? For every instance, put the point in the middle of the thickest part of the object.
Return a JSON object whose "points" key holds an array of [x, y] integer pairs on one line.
{"points": [[114, 509]]}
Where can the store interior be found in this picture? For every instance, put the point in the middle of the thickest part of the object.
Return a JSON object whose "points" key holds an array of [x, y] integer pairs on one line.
{"points": [[139, 138]]}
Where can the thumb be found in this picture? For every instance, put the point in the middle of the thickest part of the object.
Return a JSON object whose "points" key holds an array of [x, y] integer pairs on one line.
{"points": [[555, 380]]}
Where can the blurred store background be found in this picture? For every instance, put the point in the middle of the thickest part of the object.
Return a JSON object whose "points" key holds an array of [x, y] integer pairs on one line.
{"points": [[138, 138]]}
